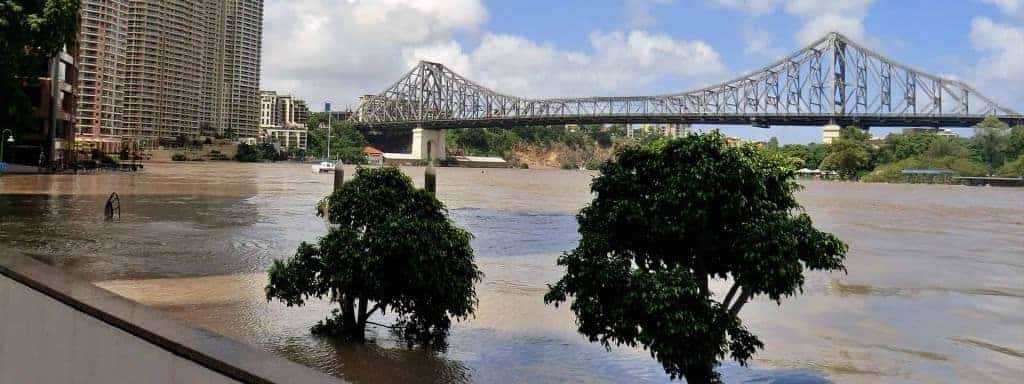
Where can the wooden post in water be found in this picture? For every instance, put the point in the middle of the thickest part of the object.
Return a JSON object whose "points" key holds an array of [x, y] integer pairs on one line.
{"points": [[339, 176], [430, 178], [339, 179]]}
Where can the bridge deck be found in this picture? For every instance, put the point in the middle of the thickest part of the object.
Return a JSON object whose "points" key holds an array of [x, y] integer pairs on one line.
{"points": [[816, 120]]}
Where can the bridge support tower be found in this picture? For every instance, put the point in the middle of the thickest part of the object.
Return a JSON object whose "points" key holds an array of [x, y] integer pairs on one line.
{"points": [[428, 144]]}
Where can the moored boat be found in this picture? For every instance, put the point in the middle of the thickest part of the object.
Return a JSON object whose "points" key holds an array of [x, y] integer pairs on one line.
{"points": [[323, 166]]}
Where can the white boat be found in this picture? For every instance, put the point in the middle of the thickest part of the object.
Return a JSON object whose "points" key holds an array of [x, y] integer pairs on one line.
{"points": [[324, 166]]}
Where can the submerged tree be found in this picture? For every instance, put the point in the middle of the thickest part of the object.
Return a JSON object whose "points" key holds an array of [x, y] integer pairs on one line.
{"points": [[392, 248], [666, 220]]}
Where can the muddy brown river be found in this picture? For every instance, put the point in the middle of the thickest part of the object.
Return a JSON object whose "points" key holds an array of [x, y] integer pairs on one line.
{"points": [[934, 292]]}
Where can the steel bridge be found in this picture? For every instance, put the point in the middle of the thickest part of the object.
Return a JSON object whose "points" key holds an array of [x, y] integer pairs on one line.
{"points": [[832, 81]]}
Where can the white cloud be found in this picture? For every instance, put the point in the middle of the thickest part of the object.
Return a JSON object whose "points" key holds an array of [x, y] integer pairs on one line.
{"points": [[1002, 66], [638, 12], [821, 17], [338, 50], [616, 63], [816, 19], [335, 50], [760, 42], [1010, 7], [752, 7]]}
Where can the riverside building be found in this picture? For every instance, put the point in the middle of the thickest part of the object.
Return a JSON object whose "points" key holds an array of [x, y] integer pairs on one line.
{"points": [[667, 130], [283, 120], [166, 68]]}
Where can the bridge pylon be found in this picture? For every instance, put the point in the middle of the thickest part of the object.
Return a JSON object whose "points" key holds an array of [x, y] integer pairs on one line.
{"points": [[428, 144]]}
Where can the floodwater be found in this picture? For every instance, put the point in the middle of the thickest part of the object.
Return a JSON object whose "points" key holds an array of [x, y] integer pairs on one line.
{"points": [[934, 292]]}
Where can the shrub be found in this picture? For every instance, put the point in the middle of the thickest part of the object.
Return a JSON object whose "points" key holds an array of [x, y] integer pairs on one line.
{"points": [[108, 162], [1012, 169], [178, 157], [893, 173]]}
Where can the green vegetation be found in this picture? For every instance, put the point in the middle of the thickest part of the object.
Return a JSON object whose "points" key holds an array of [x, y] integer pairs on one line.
{"points": [[392, 248], [346, 141], [993, 150], [850, 155], [502, 141], [804, 156], [260, 152], [179, 157], [641, 273], [31, 32], [1012, 169]]}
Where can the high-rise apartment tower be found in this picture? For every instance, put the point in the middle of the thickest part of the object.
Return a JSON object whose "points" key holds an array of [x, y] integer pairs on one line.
{"points": [[166, 68]]}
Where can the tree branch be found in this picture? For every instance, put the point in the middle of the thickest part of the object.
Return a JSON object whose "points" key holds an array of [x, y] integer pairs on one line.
{"points": [[739, 303], [372, 310], [382, 325], [732, 292]]}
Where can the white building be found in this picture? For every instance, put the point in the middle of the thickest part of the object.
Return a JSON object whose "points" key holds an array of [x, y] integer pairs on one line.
{"points": [[944, 132], [670, 131], [282, 120]]}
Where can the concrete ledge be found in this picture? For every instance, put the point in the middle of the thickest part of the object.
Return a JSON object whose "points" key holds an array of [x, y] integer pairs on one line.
{"points": [[232, 359]]}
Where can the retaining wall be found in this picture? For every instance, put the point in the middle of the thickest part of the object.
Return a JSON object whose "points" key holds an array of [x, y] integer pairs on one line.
{"points": [[57, 329]]}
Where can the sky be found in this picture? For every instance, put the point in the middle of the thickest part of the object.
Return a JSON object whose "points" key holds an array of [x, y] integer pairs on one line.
{"points": [[337, 50]]}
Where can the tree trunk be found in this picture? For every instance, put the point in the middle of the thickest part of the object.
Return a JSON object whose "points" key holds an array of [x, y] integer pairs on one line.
{"points": [[740, 301], [702, 274], [353, 328], [704, 374], [361, 314]]}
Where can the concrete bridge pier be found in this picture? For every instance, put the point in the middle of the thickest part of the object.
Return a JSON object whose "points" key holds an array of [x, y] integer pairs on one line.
{"points": [[428, 144]]}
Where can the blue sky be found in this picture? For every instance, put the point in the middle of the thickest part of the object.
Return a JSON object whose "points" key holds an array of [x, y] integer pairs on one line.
{"points": [[337, 50]]}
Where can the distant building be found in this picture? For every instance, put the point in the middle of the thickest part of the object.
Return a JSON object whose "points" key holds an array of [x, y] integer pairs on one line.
{"points": [[830, 133], [301, 112], [164, 68], [341, 115], [667, 130], [282, 119], [374, 156], [945, 132], [101, 61], [50, 139], [733, 141]]}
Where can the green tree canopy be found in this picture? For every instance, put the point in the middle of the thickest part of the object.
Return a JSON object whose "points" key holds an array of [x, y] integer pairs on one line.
{"points": [[669, 218], [392, 248], [990, 141], [946, 147], [1015, 143], [346, 141], [1013, 168], [31, 32], [850, 154], [903, 146]]}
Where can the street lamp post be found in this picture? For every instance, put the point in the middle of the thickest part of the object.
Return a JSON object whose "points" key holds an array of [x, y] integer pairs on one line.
{"points": [[3, 143], [327, 108]]}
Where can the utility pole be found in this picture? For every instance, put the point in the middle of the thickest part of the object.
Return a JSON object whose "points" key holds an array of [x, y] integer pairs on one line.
{"points": [[327, 109]]}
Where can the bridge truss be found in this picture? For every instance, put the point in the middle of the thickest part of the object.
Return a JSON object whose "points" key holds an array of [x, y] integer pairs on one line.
{"points": [[832, 81]]}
